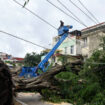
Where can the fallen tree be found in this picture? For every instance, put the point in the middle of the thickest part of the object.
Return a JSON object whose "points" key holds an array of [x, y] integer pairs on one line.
{"points": [[45, 80], [11, 82]]}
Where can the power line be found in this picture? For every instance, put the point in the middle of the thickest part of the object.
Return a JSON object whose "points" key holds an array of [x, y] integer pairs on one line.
{"points": [[36, 15], [64, 12], [72, 13], [22, 39], [48, 24], [88, 11], [82, 11]]}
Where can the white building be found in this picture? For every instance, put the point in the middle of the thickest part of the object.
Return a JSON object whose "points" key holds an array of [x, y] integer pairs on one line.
{"points": [[91, 39]]}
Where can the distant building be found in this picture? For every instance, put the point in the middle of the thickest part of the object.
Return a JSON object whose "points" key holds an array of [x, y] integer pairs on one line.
{"points": [[10, 60], [4, 56], [17, 59]]}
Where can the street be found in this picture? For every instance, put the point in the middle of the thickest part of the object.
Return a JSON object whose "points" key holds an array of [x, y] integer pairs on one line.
{"points": [[34, 99], [31, 99]]}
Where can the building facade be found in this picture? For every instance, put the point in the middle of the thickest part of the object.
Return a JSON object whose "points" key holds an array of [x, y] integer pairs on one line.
{"points": [[84, 45], [70, 46], [91, 39]]}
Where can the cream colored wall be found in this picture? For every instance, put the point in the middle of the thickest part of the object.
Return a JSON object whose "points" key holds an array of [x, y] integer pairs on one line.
{"points": [[93, 42], [68, 42]]}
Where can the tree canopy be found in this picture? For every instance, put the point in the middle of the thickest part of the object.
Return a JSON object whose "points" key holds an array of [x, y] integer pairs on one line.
{"points": [[32, 59]]}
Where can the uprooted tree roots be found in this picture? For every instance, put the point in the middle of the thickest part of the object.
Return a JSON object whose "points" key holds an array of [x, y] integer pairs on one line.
{"points": [[6, 85]]}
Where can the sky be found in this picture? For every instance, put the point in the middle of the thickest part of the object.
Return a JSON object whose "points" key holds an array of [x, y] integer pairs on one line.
{"points": [[16, 20]]}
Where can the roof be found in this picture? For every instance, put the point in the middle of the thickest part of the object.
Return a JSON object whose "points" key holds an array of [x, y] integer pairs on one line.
{"points": [[94, 26], [18, 59]]}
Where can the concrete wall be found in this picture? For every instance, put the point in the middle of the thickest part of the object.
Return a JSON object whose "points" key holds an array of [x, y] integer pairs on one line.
{"points": [[93, 42]]}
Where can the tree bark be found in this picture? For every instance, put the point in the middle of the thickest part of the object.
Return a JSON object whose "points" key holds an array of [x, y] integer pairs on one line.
{"points": [[11, 83], [45, 80]]}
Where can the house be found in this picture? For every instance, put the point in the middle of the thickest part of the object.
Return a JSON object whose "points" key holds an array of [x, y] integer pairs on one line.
{"points": [[52, 59], [91, 39], [70, 44]]}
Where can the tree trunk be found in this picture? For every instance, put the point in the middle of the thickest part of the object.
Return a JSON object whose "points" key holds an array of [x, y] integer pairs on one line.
{"points": [[45, 80]]}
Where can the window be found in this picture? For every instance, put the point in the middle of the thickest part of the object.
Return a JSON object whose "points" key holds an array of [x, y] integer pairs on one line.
{"points": [[65, 50], [72, 49], [84, 42]]}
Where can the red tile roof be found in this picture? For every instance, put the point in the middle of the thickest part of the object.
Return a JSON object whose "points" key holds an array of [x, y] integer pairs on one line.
{"points": [[18, 59]]}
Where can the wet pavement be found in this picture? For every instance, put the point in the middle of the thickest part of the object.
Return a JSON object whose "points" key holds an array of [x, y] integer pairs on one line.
{"points": [[32, 99]]}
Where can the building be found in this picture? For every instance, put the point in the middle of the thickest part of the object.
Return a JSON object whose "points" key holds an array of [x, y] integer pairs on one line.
{"points": [[91, 39], [10, 60], [77, 44], [4, 56], [70, 45]]}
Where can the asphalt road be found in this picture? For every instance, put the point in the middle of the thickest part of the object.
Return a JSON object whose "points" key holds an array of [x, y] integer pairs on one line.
{"points": [[32, 99]]}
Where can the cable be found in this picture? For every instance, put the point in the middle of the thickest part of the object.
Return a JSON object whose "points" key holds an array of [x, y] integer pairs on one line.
{"points": [[37, 44], [64, 12], [88, 11], [22, 39], [72, 13], [85, 14], [83, 11], [44, 21], [36, 15]]}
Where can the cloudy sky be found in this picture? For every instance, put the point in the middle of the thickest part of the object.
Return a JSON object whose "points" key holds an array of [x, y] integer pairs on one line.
{"points": [[16, 20]]}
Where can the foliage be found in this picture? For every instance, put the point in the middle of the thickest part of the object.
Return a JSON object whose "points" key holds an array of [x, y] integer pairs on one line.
{"points": [[50, 95], [32, 59], [10, 62], [63, 59], [95, 72], [85, 88], [66, 75]]}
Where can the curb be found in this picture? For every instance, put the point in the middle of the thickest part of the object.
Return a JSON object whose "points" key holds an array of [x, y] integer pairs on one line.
{"points": [[20, 102]]}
